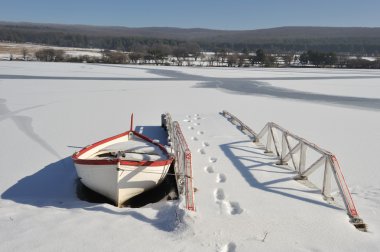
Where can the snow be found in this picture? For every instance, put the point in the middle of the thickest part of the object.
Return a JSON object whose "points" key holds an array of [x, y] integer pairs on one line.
{"points": [[244, 202], [16, 49], [77, 53]]}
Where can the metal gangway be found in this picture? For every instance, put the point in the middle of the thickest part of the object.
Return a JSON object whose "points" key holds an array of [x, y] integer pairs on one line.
{"points": [[294, 151]]}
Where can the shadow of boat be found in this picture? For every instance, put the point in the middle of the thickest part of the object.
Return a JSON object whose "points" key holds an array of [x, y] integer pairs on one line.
{"points": [[53, 185]]}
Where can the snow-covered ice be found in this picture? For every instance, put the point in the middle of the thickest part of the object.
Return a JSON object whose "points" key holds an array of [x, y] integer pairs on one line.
{"points": [[244, 202]]}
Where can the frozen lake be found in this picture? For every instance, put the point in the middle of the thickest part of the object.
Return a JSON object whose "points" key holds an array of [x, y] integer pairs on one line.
{"points": [[244, 202]]}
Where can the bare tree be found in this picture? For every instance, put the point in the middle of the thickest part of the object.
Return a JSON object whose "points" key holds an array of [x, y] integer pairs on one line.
{"points": [[135, 57], [194, 50], [232, 60], [159, 53], [221, 55], [180, 53], [241, 59], [288, 58], [49, 55], [59, 55], [24, 52], [116, 57], [269, 61], [211, 60], [202, 57]]}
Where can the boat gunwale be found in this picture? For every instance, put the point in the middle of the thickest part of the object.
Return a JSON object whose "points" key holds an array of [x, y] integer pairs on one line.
{"points": [[77, 160]]}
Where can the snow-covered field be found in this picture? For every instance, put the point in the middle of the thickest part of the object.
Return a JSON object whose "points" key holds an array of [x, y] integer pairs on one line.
{"points": [[15, 50], [244, 202]]}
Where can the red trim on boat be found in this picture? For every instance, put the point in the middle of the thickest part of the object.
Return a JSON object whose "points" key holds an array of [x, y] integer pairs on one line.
{"points": [[91, 146], [123, 162], [77, 160]]}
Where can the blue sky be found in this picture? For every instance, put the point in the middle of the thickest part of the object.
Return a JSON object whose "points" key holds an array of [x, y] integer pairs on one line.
{"points": [[215, 14]]}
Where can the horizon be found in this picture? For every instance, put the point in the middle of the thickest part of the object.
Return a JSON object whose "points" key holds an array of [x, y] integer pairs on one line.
{"points": [[223, 15], [176, 27]]}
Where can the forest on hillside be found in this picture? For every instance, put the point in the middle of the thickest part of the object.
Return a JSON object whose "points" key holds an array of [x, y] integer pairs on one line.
{"points": [[353, 41]]}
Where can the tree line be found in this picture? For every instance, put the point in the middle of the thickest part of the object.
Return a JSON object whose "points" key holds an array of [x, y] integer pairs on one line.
{"points": [[54, 37], [190, 54]]}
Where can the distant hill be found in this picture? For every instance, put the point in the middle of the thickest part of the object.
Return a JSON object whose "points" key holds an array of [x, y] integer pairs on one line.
{"points": [[282, 39]]}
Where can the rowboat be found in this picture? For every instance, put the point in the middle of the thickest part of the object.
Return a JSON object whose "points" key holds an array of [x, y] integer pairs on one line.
{"points": [[122, 166]]}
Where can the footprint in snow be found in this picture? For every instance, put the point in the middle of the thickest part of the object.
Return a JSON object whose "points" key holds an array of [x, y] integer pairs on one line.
{"points": [[194, 138], [229, 247], [196, 117], [233, 208], [221, 178], [190, 127], [212, 159], [196, 124], [202, 151], [187, 120], [209, 169], [205, 144], [200, 132], [219, 195], [230, 207]]}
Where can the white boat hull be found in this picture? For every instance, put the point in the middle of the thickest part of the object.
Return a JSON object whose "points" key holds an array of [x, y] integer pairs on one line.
{"points": [[128, 181], [122, 166]]}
